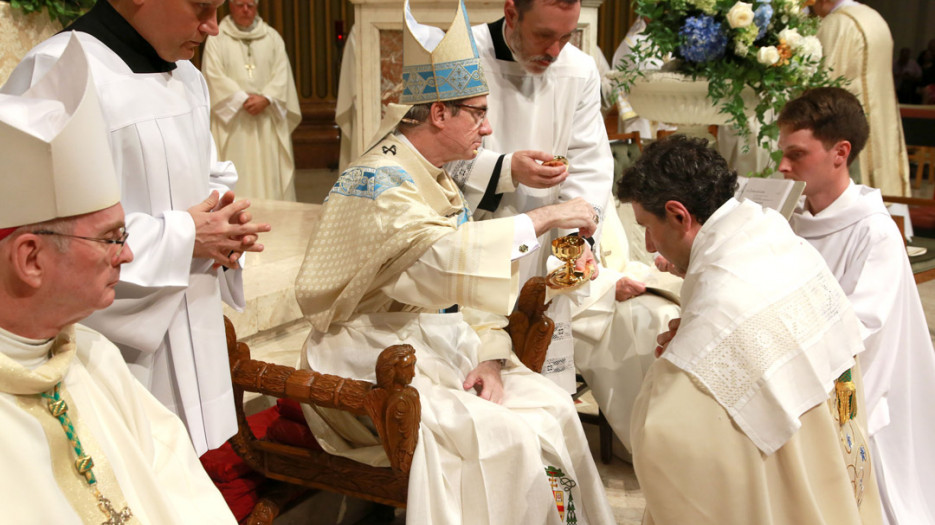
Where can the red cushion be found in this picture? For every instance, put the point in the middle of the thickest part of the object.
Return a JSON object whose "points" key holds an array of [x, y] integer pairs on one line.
{"points": [[289, 432], [242, 494], [290, 409], [223, 464]]}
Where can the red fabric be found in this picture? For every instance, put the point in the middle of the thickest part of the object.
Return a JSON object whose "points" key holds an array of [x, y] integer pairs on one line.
{"points": [[223, 464], [242, 494], [4, 232], [290, 409], [289, 432]]}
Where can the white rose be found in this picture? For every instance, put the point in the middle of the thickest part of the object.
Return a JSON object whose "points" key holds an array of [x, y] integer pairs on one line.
{"points": [[767, 55], [741, 15], [792, 37], [810, 48]]}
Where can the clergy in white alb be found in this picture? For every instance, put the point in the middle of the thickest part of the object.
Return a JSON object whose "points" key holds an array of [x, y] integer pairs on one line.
{"points": [[167, 318], [820, 132], [545, 95], [733, 424], [82, 440], [857, 44], [397, 259], [254, 105]]}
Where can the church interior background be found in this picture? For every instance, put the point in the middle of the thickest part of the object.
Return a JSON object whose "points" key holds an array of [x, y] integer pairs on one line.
{"points": [[315, 33]]}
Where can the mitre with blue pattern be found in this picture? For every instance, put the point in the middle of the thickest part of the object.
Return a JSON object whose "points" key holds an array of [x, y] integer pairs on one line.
{"points": [[439, 66]]}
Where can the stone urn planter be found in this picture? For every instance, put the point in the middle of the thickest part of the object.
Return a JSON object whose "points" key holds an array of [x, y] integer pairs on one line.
{"points": [[19, 33], [675, 98]]}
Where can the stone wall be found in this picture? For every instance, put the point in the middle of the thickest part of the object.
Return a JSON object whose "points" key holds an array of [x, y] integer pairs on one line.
{"points": [[19, 33]]}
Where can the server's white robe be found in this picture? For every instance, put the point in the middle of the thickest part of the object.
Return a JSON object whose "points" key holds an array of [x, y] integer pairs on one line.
{"points": [[858, 45], [863, 247], [394, 246], [259, 145], [142, 455], [167, 317], [559, 112], [732, 425]]}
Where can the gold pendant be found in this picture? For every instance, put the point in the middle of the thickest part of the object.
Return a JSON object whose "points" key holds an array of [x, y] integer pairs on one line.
{"points": [[113, 517]]}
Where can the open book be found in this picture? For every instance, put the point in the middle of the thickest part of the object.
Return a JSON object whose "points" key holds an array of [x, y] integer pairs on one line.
{"points": [[778, 194]]}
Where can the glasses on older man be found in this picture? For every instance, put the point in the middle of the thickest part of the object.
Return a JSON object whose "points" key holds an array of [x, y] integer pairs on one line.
{"points": [[120, 241], [478, 112]]}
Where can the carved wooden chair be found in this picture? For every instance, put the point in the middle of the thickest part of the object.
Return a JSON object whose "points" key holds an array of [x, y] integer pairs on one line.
{"points": [[392, 404]]}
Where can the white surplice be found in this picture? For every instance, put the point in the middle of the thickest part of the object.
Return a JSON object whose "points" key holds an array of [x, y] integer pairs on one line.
{"points": [[858, 45], [142, 454], [737, 405], [167, 317], [862, 246], [393, 246], [259, 145]]}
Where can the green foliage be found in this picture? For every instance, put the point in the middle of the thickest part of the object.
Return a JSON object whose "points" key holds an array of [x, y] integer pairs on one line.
{"points": [[788, 35], [65, 11]]}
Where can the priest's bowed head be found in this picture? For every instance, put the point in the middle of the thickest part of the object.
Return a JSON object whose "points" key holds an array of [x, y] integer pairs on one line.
{"points": [[62, 236]]}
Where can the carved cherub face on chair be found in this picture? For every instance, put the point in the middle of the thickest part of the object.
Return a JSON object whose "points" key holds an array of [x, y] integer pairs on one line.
{"points": [[396, 366]]}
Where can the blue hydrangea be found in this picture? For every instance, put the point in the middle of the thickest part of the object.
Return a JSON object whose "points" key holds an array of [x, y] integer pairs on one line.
{"points": [[703, 39], [761, 18]]}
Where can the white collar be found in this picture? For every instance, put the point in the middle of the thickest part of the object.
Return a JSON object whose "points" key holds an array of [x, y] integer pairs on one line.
{"points": [[842, 3], [30, 353]]}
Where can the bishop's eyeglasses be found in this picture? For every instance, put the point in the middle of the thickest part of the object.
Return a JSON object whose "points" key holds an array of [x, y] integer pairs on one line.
{"points": [[120, 241], [478, 112]]}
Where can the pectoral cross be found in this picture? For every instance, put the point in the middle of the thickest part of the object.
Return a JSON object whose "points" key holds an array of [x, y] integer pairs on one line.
{"points": [[115, 518], [249, 68]]}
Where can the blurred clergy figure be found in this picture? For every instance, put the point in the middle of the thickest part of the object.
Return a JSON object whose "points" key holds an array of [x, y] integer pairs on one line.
{"points": [[254, 105]]}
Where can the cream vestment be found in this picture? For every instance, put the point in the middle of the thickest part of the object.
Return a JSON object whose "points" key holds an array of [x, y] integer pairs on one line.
{"points": [[395, 245], [733, 424], [858, 45], [237, 63], [142, 454]]}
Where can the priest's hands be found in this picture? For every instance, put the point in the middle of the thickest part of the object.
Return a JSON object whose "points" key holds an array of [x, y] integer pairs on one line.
{"points": [[664, 338], [527, 171], [255, 104], [223, 229], [485, 379], [576, 213], [628, 288]]}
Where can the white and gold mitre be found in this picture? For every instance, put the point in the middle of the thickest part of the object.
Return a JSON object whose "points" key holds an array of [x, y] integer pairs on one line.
{"points": [[55, 160], [440, 66]]}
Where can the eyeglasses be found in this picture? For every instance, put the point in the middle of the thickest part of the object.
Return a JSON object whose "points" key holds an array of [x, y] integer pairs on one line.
{"points": [[478, 112], [120, 241], [243, 4]]}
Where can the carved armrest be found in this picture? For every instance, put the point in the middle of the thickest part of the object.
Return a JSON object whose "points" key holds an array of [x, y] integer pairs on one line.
{"points": [[530, 329], [392, 404]]}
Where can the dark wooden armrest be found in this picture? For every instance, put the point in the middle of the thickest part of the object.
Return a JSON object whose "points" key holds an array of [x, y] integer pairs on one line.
{"points": [[392, 404], [530, 329]]}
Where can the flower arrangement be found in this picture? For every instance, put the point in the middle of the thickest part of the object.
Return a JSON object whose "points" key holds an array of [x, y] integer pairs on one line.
{"points": [[768, 45]]}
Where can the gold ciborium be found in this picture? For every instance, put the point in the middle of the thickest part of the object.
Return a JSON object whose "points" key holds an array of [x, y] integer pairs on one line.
{"points": [[567, 249]]}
